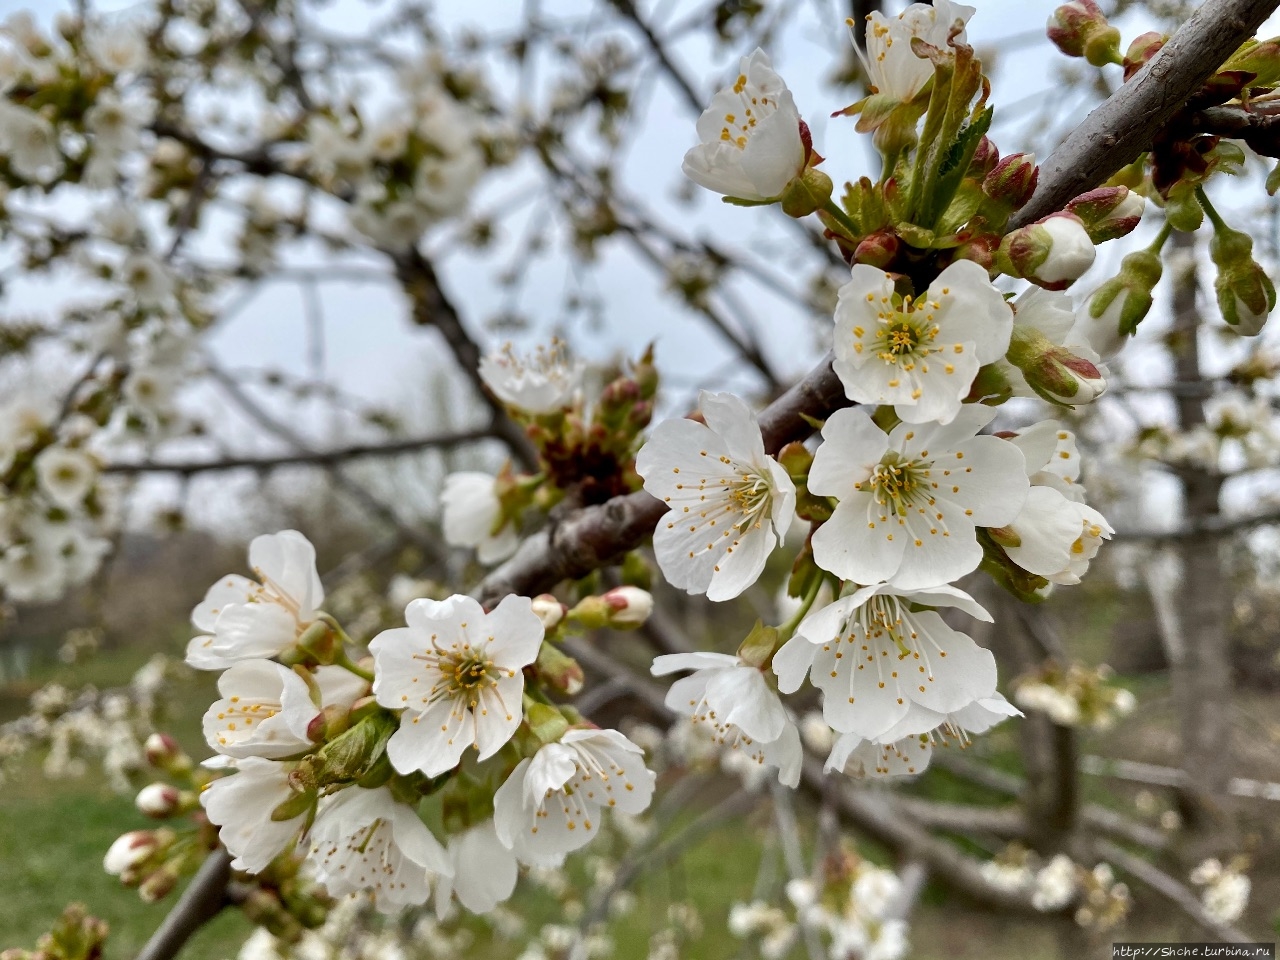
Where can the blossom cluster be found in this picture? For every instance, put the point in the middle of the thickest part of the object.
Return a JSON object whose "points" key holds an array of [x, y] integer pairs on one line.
{"points": [[343, 760]]}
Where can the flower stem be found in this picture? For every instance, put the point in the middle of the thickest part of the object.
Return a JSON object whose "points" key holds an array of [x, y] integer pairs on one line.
{"points": [[343, 659], [1218, 222], [839, 216], [787, 629], [1158, 243]]}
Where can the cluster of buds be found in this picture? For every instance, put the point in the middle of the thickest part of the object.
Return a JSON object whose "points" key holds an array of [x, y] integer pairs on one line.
{"points": [[75, 936], [154, 860], [1074, 696], [1080, 29], [1104, 901]]}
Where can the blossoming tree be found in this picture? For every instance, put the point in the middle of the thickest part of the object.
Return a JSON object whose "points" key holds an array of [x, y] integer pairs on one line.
{"points": [[428, 763]]}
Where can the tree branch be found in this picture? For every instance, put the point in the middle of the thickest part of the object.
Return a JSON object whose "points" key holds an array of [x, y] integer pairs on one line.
{"points": [[324, 458], [1165, 885], [200, 902], [1123, 126]]}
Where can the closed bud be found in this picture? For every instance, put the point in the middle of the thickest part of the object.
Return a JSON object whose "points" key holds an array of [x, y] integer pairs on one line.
{"points": [[1108, 212], [806, 194], [981, 249], [353, 753], [1117, 307], [628, 606], [161, 801], [163, 753], [159, 883], [985, 158], [1013, 181], [545, 722], [1052, 371], [319, 641], [558, 670], [1140, 51], [132, 850], [879, 249], [622, 608], [1051, 254], [1246, 294], [549, 610], [1080, 29]]}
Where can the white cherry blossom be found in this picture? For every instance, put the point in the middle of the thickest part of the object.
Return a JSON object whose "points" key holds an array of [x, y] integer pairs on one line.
{"points": [[906, 748], [456, 671], [30, 142], [266, 708], [921, 354], [873, 657], [910, 501], [750, 136], [484, 871], [1056, 534], [732, 703], [472, 512], [731, 504], [243, 620], [366, 840], [552, 802], [892, 67], [242, 805], [545, 382], [65, 475]]}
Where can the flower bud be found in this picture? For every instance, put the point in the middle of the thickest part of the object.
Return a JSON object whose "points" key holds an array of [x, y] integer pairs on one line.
{"points": [[879, 249], [558, 670], [132, 849], [985, 159], [1052, 371], [549, 610], [163, 753], [1051, 253], [1140, 51], [622, 608], [160, 883], [1119, 305], [160, 801], [1108, 212], [1079, 29], [545, 722], [1013, 180], [1246, 294], [806, 194], [631, 606], [352, 753]]}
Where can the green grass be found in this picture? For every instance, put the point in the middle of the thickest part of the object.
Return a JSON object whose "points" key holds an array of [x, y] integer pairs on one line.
{"points": [[51, 850]]}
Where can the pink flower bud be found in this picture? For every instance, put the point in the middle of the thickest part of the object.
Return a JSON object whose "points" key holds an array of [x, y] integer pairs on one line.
{"points": [[1141, 50], [1080, 29], [1108, 212], [985, 158], [628, 606], [129, 850], [1013, 180], [879, 249], [1051, 254], [163, 753], [1054, 372], [159, 800]]}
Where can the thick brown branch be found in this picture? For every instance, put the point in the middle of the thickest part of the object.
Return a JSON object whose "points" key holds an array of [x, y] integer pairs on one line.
{"points": [[1123, 126]]}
